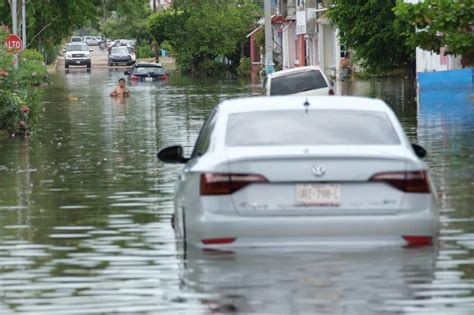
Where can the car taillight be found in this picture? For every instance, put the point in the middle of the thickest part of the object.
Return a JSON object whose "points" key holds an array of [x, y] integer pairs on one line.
{"points": [[226, 184], [216, 241], [331, 92], [411, 182], [414, 241], [134, 78]]}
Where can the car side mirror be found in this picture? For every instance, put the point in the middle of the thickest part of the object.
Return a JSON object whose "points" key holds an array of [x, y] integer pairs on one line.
{"points": [[127, 72], [419, 150], [331, 82], [172, 155], [64, 50], [91, 50]]}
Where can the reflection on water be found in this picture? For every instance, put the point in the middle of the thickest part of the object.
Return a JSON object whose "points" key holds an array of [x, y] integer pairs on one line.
{"points": [[85, 210]]}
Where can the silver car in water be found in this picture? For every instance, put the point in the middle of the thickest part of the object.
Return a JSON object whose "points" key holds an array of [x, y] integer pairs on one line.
{"points": [[304, 171]]}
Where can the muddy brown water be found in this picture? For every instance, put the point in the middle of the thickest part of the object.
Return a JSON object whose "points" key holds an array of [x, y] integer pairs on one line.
{"points": [[85, 210]]}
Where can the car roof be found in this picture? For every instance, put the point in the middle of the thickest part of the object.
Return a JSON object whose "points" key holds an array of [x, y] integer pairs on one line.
{"points": [[275, 103], [293, 70]]}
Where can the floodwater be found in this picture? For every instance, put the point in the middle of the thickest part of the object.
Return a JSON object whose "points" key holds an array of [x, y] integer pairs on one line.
{"points": [[85, 213]]}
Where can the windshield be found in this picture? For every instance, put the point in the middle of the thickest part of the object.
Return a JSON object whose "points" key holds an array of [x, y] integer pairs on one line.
{"points": [[297, 82], [148, 70], [120, 50], [76, 39], [316, 127], [77, 48]]}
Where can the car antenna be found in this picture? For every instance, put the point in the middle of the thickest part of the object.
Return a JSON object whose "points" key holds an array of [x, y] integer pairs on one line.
{"points": [[306, 105]]}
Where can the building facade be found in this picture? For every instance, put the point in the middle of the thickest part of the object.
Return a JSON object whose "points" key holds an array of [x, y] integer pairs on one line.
{"points": [[305, 36]]}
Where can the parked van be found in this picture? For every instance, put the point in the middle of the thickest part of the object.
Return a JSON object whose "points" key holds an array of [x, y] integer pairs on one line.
{"points": [[309, 80]]}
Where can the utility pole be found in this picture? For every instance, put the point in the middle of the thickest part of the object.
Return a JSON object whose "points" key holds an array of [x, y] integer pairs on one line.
{"points": [[23, 22], [14, 8], [268, 37], [154, 6]]}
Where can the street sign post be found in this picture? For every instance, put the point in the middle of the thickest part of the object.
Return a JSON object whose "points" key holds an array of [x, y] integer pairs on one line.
{"points": [[14, 44]]}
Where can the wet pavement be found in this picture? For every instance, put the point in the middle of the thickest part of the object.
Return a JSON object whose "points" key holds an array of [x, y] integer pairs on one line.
{"points": [[85, 213]]}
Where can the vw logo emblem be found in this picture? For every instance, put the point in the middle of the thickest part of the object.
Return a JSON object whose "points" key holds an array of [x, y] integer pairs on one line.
{"points": [[318, 170]]}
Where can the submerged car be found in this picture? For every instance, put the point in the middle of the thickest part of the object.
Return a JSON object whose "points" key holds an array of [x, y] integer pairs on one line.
{"points": [[77, 54], [310, 80], [282, 171], [147, 72], [120, 55]]}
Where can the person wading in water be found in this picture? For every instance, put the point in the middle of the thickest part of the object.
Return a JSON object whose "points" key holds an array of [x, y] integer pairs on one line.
{"points": [[120, 90]]}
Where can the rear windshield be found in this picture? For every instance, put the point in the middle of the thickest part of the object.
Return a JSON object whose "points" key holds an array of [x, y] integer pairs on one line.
{"points": [[148, 70], [316, 127], [76, 39], [120, 50], [297, 82]]}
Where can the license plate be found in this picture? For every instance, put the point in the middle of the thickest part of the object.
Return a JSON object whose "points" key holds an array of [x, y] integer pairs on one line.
{"points": [[318, 195], [78, 62], [148, 79]]}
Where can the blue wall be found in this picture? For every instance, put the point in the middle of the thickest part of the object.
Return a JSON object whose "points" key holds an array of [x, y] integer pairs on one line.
{"points": [[443, 79]]}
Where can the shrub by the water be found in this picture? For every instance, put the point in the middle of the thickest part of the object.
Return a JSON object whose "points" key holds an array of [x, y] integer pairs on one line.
{"points": [[21, 90]]}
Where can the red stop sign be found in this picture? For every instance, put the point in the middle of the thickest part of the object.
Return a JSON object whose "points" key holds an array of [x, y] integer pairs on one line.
{"points": [[13, 43]]}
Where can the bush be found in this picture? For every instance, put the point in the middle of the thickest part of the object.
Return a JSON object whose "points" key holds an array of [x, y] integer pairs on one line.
{"points": [[244, 67], [20, 91], [212, 68], [144, 51], [32, 54]]}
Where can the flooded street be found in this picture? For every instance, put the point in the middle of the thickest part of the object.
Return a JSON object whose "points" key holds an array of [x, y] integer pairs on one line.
{"points": [[85, 211]]}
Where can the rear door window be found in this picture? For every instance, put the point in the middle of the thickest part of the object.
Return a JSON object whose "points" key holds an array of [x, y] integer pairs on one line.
{"points": [[297, 82], [204, 139], [316, 127]]}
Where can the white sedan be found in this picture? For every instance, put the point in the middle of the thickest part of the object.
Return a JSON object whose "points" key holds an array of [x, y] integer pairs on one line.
{"points": [[283, 171]]}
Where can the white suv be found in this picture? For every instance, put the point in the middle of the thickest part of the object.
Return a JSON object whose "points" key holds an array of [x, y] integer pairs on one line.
{"points": [[77, 54], [307, 81]]}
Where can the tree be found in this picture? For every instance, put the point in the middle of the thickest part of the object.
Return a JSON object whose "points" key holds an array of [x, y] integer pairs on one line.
{"points": [[50, 21], [370, 28], [125, 18], [441, 23], [201, 32]]}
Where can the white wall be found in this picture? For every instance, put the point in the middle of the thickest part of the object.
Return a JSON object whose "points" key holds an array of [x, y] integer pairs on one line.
{"points": [[427, 61]]}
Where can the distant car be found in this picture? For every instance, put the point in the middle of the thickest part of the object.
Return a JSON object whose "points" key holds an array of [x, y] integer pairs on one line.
{"points": [[303, 171], [120, 55], [91, 40], [76, 39], [147, 72], [309, 80], [77, 54]]}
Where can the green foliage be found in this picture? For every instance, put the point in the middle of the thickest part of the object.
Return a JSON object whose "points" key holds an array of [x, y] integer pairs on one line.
{"points": [[441, 23], [20, 91], [370, 28], [201, 31], [244, 67], [126, 19], [260, 38], [32, 54], [144, 51]]}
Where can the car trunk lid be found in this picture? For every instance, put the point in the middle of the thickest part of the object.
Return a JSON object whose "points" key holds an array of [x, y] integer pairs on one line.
{"points": [[317, 181]]}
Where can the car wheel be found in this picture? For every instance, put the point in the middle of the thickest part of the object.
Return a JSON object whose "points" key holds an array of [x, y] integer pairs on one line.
{"points": [[66, 66], [88, 65], [110, 64]]}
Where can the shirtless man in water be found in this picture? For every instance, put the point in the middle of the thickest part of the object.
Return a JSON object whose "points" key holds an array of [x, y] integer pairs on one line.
{"points": [[120, 90]]}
